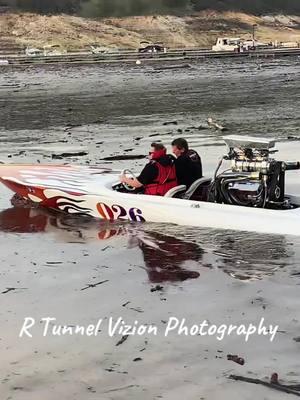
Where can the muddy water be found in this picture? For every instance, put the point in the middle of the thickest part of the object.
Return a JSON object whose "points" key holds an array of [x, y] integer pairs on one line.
{"points": [[79, 271]]}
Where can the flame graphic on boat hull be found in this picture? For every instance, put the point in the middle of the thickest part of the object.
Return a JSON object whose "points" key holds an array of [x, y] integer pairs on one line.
{"points": [[67, 204]]}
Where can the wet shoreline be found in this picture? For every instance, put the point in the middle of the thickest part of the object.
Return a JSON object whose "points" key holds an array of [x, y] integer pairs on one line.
{"points": [[175, 58]]}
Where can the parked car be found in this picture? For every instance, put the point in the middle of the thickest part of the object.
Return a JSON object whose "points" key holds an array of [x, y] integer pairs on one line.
{"points": [[54, 50], [33, 52], [98, 49], [153, 48]]}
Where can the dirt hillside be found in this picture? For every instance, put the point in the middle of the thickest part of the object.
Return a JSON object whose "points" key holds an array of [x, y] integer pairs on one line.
{"points": [[202, 29]]}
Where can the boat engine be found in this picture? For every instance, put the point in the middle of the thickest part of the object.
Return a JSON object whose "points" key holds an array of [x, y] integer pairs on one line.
{"points": [[254, 178]]}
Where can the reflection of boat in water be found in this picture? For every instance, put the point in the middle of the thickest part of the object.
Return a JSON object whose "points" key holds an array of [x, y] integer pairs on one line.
{"points": [[23, 220], [166, 258], [173, 254], [65, 227]]}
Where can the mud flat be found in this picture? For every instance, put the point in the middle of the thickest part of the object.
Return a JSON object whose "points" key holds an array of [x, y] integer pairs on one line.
{"points": [[80, 271]]}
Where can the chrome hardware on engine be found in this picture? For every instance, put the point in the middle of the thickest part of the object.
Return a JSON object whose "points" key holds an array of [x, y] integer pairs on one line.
{"points": [[249, 154], [254, 178]]}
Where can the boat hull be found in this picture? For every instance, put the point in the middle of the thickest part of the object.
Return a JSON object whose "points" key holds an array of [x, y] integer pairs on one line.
{"points": [[88, 191]]}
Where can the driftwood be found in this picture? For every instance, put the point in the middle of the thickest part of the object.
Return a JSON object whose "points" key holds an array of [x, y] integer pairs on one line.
{"points": [[236, 359], [170, 123], [63, 155], [93, 285], [122, 340], [7, 290], [177, 66], [291, 389]]}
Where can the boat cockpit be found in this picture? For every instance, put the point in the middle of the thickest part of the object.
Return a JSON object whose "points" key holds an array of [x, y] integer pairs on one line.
{"points": [[251, 178]]}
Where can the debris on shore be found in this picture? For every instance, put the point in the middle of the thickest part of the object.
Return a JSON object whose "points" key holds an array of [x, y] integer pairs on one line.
{"points": [[236, 359], [65, 155], [273, 384], [122, 340], [170, 123], [168, 67], [11, 289], [215, 125], [93, 285], [157, 288]]}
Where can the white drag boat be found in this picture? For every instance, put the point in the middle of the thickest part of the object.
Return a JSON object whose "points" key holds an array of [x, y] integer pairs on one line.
{"points": [[92, 191]]}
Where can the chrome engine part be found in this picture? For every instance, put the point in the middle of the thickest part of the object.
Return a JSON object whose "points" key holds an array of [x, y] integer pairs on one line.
{"points": [[254, 178]]}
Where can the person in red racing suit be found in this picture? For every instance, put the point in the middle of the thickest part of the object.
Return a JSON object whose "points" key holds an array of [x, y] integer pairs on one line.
{"points": [[158, 176]]}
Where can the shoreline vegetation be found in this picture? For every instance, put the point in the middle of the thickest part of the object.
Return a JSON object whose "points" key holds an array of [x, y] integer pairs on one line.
{"points": [[121, 8], [19, 30]]}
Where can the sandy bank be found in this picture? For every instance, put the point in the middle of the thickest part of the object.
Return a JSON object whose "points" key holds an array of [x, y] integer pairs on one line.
{"points": [[200, 30]]}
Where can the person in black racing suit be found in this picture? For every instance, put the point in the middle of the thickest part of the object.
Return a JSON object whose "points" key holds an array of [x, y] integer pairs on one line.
{"points": [[188, 163]]}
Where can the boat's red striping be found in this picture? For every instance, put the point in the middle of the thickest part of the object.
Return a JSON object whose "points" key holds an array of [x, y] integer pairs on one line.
{"points": [[23, 190]]}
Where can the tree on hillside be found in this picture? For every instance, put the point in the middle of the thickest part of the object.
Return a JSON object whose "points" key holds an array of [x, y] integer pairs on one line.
{"points": [[49, 6], [253, 6], [132, 7], [8, 3], [140, 7], [101, 8]]}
